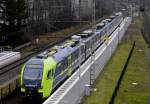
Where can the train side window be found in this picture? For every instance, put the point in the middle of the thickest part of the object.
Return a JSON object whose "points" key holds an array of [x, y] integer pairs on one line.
{"points": [[74, 58], [49, 75], [75, 55], [58, 69], [65, 64], [83, 49], [61, 67], [52, 72]]}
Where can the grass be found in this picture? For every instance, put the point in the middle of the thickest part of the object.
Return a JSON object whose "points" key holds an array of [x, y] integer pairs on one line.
{"points": [[135, 87], [108, 78], [137, 72]]}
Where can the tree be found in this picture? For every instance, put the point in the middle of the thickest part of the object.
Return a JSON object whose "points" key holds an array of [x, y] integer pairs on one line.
{"points": [[2, 17], [21, 14], [13, 16]]}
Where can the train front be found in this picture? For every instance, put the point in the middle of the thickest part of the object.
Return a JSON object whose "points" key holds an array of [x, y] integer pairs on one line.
{"points": [[31, 78]]}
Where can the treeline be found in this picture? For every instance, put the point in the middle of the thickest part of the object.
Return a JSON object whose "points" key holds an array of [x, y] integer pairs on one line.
{"points": [[34, 17], [13, 16], [19, 17]]}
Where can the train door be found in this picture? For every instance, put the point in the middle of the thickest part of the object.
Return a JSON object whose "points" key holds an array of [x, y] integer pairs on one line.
{"points": [[69, 66]]}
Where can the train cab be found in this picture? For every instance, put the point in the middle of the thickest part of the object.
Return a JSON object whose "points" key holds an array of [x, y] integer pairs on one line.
{"points": [[32, 76]]}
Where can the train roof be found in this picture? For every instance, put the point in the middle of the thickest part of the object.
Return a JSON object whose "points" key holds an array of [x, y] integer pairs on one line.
{"points": [[109, 19], [88, 31], [105, 22], [59, 56], [118, 13], [35, 61], [85, 33], [112, 16], [101, 24], [88, 34]]}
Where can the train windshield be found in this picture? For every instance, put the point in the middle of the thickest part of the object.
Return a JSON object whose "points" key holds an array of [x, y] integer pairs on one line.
{"points": [[33, 75]]}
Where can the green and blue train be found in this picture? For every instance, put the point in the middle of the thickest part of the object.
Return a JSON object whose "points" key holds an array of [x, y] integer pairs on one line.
{"points": [[42, 74]]}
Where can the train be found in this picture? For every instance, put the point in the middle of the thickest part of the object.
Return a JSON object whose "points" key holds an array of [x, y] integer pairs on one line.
{"points": [[42, 74]]}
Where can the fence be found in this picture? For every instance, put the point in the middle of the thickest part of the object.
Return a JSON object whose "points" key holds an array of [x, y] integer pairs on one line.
{"points": [[5, 48]]}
